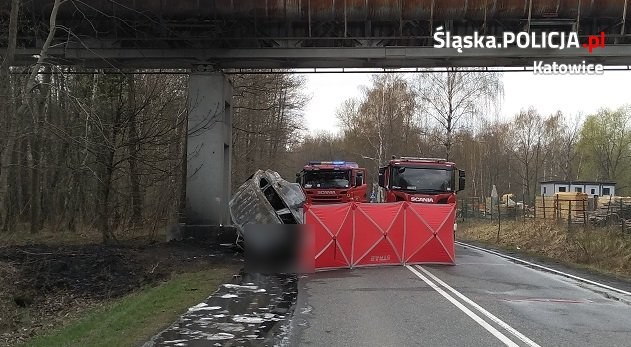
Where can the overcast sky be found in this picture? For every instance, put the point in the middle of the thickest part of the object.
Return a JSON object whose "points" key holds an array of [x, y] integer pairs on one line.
{"points": [[570, 94]]}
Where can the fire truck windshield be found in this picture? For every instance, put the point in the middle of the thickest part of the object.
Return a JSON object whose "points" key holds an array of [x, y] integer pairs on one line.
{"points": [[422, 179], [326, 179]]}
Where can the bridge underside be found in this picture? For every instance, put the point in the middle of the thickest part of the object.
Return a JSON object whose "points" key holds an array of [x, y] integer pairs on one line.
{"points": [[287, 58], [308, 33]]}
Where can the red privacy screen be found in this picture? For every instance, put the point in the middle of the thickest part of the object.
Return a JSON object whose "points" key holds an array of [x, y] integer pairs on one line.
{"points": [[356, 235]]}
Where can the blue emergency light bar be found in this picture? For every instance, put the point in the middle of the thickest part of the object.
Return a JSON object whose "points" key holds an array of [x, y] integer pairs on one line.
{"points": [[335, 163], [327, 162]]}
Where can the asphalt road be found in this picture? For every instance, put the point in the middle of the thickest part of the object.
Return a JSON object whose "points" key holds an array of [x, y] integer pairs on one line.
{"points": [[483, 301]]}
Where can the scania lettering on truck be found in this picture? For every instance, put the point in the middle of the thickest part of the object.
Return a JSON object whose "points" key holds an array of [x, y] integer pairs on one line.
{"points": [[330, 182]]}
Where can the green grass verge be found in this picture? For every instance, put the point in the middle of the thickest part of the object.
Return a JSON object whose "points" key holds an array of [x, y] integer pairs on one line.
{"points": [[133, 319]]}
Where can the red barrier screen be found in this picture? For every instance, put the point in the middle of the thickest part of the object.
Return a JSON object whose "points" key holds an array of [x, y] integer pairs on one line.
{"points": [[355, 234], [333, 234]]}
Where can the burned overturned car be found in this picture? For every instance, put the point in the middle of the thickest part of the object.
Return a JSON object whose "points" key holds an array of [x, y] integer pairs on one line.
{"points": [[266, 198]]}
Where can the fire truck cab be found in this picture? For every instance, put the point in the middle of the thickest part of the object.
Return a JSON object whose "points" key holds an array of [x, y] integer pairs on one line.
{"points": [[329, 182], [421, 180]]}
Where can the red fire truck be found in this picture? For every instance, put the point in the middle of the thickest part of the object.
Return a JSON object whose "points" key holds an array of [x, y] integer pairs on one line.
{"points": [[422, 180], [329, 182]]}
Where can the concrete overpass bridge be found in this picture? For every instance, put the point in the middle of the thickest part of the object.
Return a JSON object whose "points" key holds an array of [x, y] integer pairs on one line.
{"points": [[307, 33], [209, 37]]}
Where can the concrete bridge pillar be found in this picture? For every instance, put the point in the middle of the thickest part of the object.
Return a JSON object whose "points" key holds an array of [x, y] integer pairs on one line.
{"points": [[209, 149]]}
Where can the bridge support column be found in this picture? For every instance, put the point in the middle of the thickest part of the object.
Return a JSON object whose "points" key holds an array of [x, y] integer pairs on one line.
{"points": [[209, 149]]}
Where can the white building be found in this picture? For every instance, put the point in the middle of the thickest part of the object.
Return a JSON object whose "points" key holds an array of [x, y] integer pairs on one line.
{"points": [[591, 188]]}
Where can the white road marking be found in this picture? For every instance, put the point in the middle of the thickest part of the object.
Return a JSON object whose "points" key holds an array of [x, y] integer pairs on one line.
{"points": [[545, 268], [498, 321], [464, 309]]}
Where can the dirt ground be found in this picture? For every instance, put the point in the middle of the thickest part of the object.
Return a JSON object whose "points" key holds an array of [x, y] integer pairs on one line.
{"points": [[41, 286]]}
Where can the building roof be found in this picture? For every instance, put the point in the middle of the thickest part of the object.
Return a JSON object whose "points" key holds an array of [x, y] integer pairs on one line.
{"points": [[578, 182]]}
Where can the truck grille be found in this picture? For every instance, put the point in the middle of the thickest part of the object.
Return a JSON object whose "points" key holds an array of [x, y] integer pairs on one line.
{"points": [[327, 199]]}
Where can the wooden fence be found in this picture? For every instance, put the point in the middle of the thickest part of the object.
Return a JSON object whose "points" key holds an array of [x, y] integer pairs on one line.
{"points": [[571, 207], [487, 208]]}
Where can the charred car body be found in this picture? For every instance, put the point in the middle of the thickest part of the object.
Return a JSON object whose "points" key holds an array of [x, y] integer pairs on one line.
{"points": [[266, 198]]}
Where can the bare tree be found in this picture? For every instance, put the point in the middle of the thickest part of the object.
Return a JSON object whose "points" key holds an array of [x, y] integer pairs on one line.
{"points": [[451, 97], [560, 143], [570, 136], [528, 136], [34, 103], [6, 146], [380, 124], [267, 122]]}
